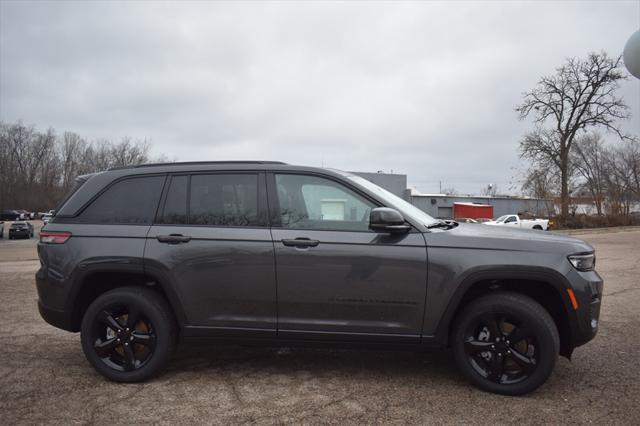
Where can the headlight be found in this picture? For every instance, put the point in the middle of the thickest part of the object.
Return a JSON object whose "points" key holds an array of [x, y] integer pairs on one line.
{"points": [[583, 262]]}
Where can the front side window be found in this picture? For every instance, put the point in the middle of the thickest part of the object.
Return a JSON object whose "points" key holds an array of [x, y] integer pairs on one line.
{"points": [[224, 200], [310, 202], [130, 201]]}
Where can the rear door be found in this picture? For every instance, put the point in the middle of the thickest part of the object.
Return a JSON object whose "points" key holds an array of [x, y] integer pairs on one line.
{"points": [[212, 242], [336, 278]]}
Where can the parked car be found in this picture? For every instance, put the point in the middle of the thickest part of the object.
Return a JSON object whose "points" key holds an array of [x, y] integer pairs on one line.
{"points": [[465, 220], [279, 254], [26, 215], [46, 217], [20, 230], [50, 212], [10, 215], [513, 220]]}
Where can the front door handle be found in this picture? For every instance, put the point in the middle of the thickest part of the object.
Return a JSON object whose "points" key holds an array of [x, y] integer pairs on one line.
{"points": [[173, 238], [300, 242]]}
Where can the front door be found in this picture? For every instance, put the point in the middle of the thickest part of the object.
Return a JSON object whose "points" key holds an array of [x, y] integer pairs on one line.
{"points": [[211, 240], [336, 278]]}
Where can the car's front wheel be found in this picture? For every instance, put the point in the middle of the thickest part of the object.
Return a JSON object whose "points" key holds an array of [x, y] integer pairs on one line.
{"points": [[128, 334], [505, 343]]}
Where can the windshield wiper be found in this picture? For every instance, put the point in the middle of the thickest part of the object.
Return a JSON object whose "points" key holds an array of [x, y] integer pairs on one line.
{"points": [[445, 224]]}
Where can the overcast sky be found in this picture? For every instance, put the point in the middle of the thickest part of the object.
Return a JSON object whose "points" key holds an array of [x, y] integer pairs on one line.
{"points": [[427, 89]]}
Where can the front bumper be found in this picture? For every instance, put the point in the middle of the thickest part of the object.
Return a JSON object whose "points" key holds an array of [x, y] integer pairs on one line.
{"points": [[588, 288]]}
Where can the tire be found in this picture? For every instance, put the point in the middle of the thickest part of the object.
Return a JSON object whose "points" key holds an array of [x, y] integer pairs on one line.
{"points": [[523, 357], [152, 334], [538, 227]]}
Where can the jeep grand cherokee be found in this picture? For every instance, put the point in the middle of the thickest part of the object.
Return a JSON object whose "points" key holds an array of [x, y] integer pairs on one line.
{"points": [[137, 258]]}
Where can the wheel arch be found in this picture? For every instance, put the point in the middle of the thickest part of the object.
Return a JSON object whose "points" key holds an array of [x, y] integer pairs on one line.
{"points": [[94, 281], [548, 288]]}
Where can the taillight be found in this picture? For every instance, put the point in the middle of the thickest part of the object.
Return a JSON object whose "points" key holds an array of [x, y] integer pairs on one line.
{"points": [[54, 237]]}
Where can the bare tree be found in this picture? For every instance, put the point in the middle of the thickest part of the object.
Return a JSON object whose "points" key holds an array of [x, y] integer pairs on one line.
{"points": [[450, 191], [541, 183], [37, 168], [579, 96], [590, 159], [73, 149], [490, 190], [128, 152], [630, 157], [623, 163]]}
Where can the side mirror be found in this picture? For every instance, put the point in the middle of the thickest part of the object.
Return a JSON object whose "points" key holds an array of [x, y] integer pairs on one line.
{"points": [[384, 219]]}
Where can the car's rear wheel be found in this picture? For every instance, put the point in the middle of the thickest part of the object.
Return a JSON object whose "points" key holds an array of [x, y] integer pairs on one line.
{"points": [[505, 343], [128, 334]]}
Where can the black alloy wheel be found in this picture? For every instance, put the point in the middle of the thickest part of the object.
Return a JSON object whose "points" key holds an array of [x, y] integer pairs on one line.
{"points": [[505, 343], [128, 334], [124, 339], [501, 349]]}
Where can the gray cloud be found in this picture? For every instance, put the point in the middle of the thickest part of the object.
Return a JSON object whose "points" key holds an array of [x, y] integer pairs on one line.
{"points": [[426, 89]]}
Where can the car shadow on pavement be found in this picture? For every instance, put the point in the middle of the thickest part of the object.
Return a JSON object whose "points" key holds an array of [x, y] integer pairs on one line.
{"points": [[436, 365]]}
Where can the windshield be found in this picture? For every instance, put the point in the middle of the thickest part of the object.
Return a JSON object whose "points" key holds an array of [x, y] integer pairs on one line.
{"points": [[502, 218], [394, 201]]}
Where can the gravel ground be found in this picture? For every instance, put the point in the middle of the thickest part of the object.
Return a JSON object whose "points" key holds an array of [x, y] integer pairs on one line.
{"points": [[44, 377]]}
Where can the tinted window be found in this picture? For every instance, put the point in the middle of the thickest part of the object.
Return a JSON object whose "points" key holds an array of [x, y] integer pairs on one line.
{"points": [[310, 202], [224, 199], [129, 201], [175, 205]]}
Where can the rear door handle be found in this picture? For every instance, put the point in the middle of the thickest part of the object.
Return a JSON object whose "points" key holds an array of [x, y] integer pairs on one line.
{"points": [[300, 242], [173, 238]]}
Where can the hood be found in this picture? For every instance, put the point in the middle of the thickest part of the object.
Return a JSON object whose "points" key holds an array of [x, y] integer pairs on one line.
{"points": [[480, 236]]}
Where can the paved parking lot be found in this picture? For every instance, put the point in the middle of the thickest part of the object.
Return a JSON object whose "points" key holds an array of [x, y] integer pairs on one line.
{"points": [[44, 377]]}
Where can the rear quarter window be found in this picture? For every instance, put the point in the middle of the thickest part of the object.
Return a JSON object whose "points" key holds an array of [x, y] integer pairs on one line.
{"points": [[129, 201]]}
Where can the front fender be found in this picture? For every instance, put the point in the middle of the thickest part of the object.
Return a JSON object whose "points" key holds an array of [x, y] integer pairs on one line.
{"points": [[440, 327]]}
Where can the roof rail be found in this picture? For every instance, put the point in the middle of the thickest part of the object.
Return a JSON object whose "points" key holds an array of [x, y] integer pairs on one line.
{"points": [[193, 163]]}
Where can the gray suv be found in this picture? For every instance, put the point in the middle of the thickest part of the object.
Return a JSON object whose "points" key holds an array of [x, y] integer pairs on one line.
{"points": [[138, 258]]}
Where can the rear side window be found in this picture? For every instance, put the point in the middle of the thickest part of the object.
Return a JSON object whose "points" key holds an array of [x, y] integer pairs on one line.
{"points": [[175, 205], [80, 180], [224, 200], [130, 201]]}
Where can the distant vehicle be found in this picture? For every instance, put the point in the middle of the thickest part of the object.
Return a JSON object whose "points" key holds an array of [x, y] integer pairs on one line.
{"points": [[466, 220], [46, 217], [10, 214], [472, 210], [41, 214], [20, 229], [513, 220], [26, 215]]}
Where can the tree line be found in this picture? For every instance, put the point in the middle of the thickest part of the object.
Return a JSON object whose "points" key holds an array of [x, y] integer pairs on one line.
{"points": [[566, 149], [605, 173], [38, 167]]}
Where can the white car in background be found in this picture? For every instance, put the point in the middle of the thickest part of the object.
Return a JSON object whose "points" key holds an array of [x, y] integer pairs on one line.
{"points": [[514, 221], [46, 218]]}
